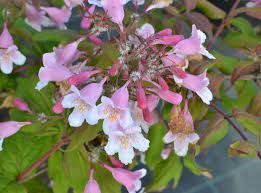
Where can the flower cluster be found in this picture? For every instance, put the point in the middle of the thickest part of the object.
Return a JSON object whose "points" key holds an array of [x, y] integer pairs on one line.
{"points": [[151, 68]]}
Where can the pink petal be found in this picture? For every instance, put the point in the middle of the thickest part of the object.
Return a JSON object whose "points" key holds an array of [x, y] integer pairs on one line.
{"points": [[82, 77], [6, 39], [141, 97], [171, 97], [11, 127], [121, 97]]}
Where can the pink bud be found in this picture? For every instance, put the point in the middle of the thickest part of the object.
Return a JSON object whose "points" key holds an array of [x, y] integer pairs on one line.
{"points": [[95, 40], [153, 102], [116, 162], [166, 152], [121, 97], [125, 75], [163, 83], [6, 39], [168, 40], [114, 68], [11, 127], [82, 77], [22, 105], [141, 97], [58, 108], [86, 22], [92, 186], [131, 180]]}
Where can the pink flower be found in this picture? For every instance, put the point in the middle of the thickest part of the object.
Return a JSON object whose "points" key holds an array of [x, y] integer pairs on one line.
{"points": [[166, 152], [145, 31], [35, 18], [84, 104], [73, 3], [22, 105], [193, 45], [10, 128], [115, 10], [123, 140], [131, 180], [58, 16], [86, 21], [115, 110], [56, 64], [9, 53], [181, 130], [92, 186], [198, 84]]}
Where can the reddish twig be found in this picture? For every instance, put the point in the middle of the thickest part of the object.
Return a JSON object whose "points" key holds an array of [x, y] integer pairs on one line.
{"points": [[231, 122], [223, 24], [42, 159]]}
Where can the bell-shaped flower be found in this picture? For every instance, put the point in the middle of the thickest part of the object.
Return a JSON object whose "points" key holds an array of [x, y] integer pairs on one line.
{"points": [[10, 128], [86, 21], [193, 45], [92, 186], [145, 31], [57, 16], [56, 64], [84, 104], [131, 180], [73, 3], [22, 105], [9, 53], [198, 84], [123, 140], [36, 18], [115, 110], [137, 116], [181, 130]]}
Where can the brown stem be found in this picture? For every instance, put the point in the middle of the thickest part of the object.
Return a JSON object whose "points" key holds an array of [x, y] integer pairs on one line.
{"points": [[42, 159], [223, 24], [228, 118]]}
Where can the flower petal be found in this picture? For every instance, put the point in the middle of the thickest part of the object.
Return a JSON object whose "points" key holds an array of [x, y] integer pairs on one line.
{"points": [[92, 116], [68, 100], [76, 118], [169, 137], [126, 155]]}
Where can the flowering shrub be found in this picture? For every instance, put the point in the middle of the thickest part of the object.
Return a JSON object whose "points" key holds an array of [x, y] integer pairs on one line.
{"points": [[100, 86]]}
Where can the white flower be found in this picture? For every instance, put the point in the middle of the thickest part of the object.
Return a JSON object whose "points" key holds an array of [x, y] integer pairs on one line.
{"points": [[113, 115], [8, 57], [122, 141], [84, 108], [181, 141], [138, 118], [1, 144]]}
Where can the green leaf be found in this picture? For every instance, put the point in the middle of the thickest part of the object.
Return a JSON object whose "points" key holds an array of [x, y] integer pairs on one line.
{"points": [[216, 130], [15, 188], [164, 172], [6, 81], [85, 134], [250, 122], [109, 55], [38, 101], [153, 155], [76, 170], [210, 10], [56, 173], [243, 149], [191, 164], [197, 108], [245, 90], [225, 63], [18, 115], [36, 186], [20, 151], [245, 37]]}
